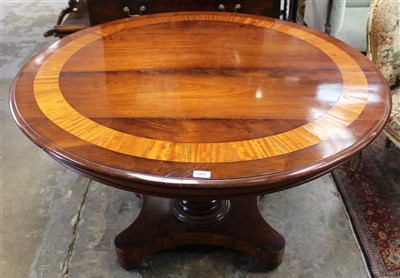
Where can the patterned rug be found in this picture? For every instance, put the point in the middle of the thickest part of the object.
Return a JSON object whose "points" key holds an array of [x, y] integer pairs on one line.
{"points": [[372, 200]]}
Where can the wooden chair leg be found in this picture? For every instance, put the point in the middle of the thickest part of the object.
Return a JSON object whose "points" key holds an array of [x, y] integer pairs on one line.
{"points": [[355, 162], [387, 142]]}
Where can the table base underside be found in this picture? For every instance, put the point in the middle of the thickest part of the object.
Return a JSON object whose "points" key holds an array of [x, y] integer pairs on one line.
{"points": [[164, 223]]}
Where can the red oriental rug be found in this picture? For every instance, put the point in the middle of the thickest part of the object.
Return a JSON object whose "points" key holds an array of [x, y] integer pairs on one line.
{"points": [[371, 197]]}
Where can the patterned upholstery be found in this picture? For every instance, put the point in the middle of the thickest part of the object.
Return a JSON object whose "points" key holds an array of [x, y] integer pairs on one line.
{"points": [[392, 129], [383, 38]]}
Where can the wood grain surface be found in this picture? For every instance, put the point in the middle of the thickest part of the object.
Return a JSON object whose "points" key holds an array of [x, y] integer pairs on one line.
{"points": [[257, 103]]}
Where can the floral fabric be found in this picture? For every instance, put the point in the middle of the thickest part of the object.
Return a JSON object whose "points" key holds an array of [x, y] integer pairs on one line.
{"points": [[392, 129], [383, 32], [384, 38]]}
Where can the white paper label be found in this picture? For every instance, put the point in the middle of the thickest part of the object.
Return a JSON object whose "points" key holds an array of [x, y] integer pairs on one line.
{"points": [[202, 174]]}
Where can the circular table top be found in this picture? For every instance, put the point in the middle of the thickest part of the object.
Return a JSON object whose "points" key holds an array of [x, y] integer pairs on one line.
{"points": [[200, 104]]}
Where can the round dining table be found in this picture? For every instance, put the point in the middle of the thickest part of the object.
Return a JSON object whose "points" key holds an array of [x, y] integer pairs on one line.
{"points": [[200, 113]]}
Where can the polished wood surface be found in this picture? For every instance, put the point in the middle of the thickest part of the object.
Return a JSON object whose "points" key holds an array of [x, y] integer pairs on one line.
{"points": [[261, 104], [202, 107]]}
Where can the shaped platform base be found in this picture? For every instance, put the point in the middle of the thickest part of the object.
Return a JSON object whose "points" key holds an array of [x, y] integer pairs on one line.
{"points": [[165, 223]]}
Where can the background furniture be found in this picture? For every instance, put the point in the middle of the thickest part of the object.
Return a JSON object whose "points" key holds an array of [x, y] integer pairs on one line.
{"points": [[353, 26], [71, 19], [83, 13], [108, 10], [323, 15], [344, 19], [384, 51]]}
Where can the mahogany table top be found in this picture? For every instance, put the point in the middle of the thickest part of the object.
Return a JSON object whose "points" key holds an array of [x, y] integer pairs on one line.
{"points": [[254, 104]]}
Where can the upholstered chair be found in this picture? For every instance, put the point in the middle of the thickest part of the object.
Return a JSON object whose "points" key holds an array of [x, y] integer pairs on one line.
{"points": [[324, 15], [354, 21], [383, 48], [342, 19]]}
